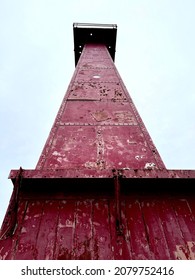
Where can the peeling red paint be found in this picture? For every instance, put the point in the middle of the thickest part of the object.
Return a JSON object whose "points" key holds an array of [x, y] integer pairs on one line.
{"points": [[85, 229]]}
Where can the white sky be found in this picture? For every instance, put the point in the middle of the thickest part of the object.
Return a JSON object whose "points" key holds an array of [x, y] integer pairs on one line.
{"points": [[155, 57]]}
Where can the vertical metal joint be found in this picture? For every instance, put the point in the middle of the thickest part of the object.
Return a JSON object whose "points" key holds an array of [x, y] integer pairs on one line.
{"points": [[117, 189]]}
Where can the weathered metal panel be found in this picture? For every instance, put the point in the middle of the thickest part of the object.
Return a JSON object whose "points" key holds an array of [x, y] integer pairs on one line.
{"points": [[97, 113], [97, 97], [26, 244], [102, 235], [186, 223], [156, 227], [93, 74], [8, 246], [126, 148], [46, 238], [108, 147], [97, 91], [138, 236], [178, 248], [65, 231], [83, 246], [155, 232]]}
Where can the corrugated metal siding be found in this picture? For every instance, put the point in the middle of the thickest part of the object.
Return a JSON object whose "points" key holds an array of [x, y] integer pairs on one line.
{"points": [[153, 228]]}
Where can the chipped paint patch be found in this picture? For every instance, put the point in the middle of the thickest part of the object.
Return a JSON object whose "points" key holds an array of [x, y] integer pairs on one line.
{"points": [[23, 230], [150, 165], [55, 153], [185, 253], [90, 164], [131, 142], [109, 147], [125, 116], [3, 257], [60, 159], [138, 157], [101, 115]]}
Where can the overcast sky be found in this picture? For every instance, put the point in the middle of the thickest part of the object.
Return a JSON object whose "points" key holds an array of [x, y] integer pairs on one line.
{"points": [[154, 55]]}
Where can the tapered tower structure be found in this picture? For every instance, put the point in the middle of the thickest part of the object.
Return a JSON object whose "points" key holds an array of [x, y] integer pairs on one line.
{"points": [[100, 189]]}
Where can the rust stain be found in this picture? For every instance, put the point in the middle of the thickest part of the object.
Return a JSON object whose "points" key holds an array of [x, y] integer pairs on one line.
{"points": [[101, 115], [125, 116]]}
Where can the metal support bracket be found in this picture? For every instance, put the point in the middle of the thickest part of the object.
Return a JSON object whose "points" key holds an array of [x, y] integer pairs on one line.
{"points": [[117, 187], [10, 220]]}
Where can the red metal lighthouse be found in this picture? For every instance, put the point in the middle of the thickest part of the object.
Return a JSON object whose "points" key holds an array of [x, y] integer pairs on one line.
{"points": [[100, 189]]}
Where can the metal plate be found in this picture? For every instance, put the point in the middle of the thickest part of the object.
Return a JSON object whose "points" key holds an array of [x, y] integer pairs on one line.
{"points": [[96, 74], [85, 229], [68, 149], [125, 147], [94, 112], [97, 91]]}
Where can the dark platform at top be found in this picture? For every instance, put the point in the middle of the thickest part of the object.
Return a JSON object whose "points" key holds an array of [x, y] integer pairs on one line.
{"points": [[94, 33]]}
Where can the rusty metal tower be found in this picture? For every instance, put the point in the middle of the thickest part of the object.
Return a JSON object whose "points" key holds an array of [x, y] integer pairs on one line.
{"points": [[100, 189]]}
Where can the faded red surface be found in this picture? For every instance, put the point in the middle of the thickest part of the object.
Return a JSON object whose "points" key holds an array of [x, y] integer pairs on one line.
{"points": [[98, 126], [100, 189]]}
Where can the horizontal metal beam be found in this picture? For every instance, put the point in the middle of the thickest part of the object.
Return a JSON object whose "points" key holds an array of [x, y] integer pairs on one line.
{"points": [[104, 173], [95, 25]]}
